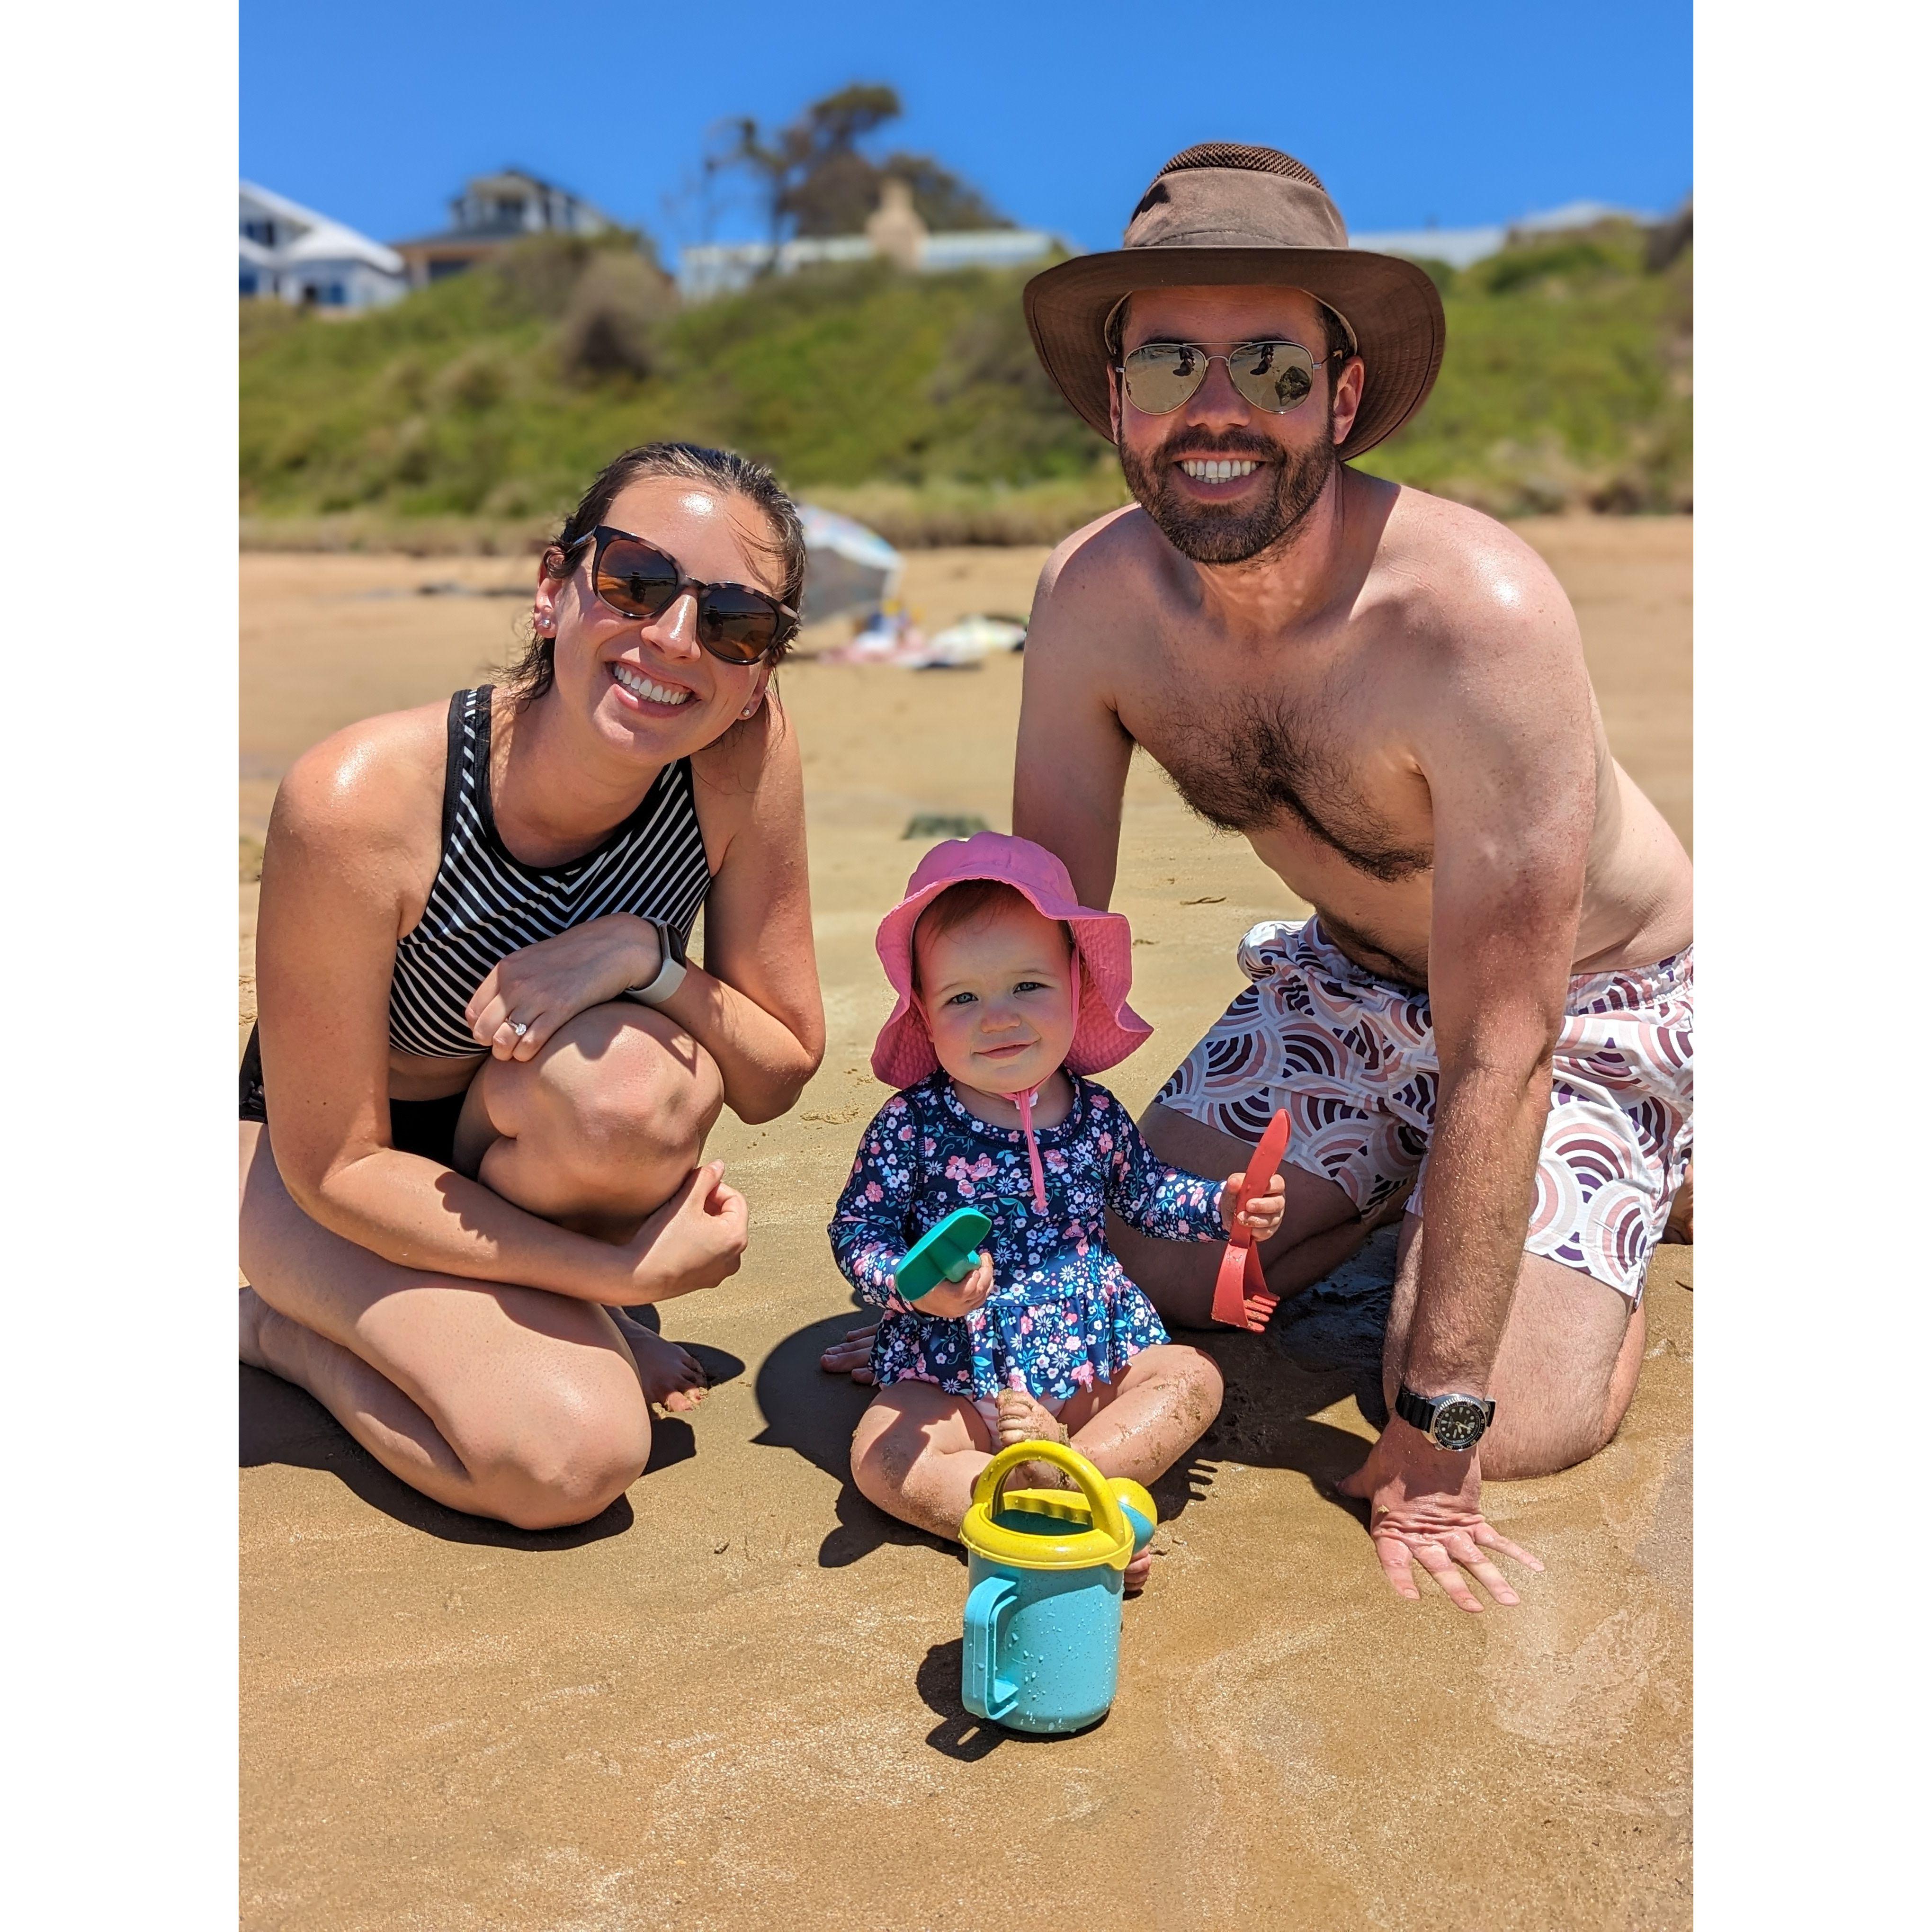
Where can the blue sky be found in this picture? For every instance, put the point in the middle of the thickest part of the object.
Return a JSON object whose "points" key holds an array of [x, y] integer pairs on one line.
{"points": [[1059, 113]]}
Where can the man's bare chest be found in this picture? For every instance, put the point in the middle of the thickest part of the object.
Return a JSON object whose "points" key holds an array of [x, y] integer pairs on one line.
{"points": [[1301, 758]]}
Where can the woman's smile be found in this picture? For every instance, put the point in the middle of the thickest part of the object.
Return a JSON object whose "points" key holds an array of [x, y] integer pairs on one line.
{"points": [[655, 696]]}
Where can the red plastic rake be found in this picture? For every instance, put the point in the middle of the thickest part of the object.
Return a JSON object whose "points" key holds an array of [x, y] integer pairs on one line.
{"points": [[1241, 1297]]}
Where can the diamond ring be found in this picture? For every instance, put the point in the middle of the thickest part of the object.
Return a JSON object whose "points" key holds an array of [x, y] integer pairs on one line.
{"points": [[520, 1027]]}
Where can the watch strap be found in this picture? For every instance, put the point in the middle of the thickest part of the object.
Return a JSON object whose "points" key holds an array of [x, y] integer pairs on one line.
{"points": [[670, 975], [1418, 1411]]}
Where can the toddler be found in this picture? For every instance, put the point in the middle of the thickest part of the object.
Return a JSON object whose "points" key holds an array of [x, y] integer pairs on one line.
{"points": [[1010, 993]]}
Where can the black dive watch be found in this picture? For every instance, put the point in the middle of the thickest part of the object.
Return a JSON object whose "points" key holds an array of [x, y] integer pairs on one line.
{"points": [[1452, 1421]]}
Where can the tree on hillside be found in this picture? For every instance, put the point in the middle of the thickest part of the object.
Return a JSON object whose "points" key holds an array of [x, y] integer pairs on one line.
{"points": [[813, 181]]}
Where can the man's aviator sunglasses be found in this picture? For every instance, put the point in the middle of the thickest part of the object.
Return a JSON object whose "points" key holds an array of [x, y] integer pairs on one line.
{"points": [[735, 623], [1272, 375]]}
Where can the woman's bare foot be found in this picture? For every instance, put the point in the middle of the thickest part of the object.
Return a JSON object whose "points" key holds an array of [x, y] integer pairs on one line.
{"points": [[670, 1376], [1022, 1419], [852, 1357]]}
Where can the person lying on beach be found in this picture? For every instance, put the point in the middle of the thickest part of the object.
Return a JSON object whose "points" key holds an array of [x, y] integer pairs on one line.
{"points": [[474, 1111], [1009, 992]]}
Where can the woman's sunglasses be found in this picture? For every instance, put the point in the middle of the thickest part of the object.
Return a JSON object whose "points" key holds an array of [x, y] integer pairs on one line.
{"points": [[1274, 375], [735, 623]]}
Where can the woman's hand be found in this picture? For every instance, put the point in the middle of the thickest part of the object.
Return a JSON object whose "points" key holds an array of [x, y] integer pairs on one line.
{"points": [[693, 1241], [951, 1300], [1262, 1215], [544, 985]]}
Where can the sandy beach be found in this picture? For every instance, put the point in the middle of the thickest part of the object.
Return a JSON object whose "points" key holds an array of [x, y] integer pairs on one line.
{"points": [[732, 1701]]}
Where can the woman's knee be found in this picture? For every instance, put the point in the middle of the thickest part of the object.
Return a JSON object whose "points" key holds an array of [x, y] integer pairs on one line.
{"points": [[628, 1094], [572, 1444]]}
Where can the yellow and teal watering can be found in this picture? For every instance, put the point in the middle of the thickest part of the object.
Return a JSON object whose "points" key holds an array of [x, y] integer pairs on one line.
{"points": [[1044, 1568]]}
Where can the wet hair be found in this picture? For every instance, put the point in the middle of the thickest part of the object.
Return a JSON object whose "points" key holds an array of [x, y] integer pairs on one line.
{"points": [[724, 470], [968, 903]]}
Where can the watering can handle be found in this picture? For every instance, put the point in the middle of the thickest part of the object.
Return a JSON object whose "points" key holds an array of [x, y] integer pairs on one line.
{"points": [[1103, 1506], [984, 1692]]}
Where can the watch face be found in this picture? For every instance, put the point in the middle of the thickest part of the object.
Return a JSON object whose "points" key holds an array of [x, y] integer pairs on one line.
{"points": [[1460, 1423]]}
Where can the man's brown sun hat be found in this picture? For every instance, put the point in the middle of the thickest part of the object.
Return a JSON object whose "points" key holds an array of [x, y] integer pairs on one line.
{"points": [[1221, 215]]}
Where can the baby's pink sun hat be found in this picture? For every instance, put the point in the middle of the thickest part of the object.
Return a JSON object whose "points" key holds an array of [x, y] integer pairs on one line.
{"points": [[1105, 1029]]}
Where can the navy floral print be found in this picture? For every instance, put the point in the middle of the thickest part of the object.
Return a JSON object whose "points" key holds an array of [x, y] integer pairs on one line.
{"points": [[1063, 1311]]}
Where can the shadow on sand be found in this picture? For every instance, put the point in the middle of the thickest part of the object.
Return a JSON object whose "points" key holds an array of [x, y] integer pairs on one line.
{"points": [[282, 1424], [813, 1414], [1267, 1420]]}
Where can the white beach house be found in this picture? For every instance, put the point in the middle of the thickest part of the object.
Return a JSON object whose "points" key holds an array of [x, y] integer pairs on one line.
{"points": [[291, 252]]}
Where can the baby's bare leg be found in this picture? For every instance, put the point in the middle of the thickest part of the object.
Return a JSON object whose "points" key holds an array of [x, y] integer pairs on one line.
{"points": [[1141, 1426], [916, 1453]]}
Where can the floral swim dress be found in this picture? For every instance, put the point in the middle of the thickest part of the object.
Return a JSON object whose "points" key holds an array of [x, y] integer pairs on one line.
{"points": [[1063, 1311]]}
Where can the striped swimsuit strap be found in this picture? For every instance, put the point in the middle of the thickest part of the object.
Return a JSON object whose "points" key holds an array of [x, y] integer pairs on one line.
{"points": [[486, 903]]}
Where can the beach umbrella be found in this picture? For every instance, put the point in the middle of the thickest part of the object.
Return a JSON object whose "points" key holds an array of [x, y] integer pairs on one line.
{"points": [[847, 566]]}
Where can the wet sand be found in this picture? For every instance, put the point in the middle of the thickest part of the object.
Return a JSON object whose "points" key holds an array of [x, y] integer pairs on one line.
{"points": [[732, 1701]]}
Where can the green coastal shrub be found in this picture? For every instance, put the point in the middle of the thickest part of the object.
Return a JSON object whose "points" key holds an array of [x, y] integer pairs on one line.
{"points": [[914, 401]]}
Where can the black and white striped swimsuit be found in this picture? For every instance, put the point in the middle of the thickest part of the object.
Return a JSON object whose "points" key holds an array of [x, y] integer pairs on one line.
{"points": [[484, 904]]}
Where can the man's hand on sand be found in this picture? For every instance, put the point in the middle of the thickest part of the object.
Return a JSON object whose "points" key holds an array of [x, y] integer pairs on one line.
{"points": [[1425, 1506]]}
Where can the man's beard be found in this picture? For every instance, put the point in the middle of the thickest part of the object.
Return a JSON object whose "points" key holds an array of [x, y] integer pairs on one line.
{"points": [[1229, 533]]}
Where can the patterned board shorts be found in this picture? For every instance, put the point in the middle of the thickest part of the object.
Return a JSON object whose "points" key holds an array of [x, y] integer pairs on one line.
{"points": [[1352, 1057]]}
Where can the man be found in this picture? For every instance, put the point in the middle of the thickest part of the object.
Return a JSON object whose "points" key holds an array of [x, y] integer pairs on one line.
{"points": [[1485, 1029], [1488, 1019]]}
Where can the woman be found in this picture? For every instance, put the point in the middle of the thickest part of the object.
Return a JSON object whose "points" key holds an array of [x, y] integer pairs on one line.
{"points": [[473, 1112]]}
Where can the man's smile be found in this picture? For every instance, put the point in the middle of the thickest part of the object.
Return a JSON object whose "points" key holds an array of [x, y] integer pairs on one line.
{"points": [[1218, 469]]}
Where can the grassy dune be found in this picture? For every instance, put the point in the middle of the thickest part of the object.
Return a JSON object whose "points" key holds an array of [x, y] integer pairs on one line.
{"points": [[468, 415]]}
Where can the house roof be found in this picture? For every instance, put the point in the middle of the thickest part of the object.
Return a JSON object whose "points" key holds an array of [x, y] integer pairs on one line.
{"points": [[466, 238], [321, 240], [505, 180], [331, 241]]}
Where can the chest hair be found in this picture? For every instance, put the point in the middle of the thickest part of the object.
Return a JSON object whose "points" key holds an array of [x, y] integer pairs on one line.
{"points": [[1250, 767]]}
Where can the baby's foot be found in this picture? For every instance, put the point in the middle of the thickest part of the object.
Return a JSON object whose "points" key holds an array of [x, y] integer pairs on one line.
{"points": [[852, 1356], [671, 1377], [1022, 1419]]}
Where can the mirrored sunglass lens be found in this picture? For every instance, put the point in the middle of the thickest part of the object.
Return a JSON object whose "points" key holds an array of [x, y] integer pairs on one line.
{"points": [[1273, 375], [737, 621], [1161, 376], [634, 578]]}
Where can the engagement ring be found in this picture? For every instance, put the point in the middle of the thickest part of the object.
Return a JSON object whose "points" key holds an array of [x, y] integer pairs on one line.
{"points": [[520, 1027]]}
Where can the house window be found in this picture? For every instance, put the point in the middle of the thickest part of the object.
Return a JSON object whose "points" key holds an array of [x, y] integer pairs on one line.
{"points": [[263, 231], [249, 286]]}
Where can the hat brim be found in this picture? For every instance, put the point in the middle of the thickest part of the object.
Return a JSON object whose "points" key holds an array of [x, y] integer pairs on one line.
{"points": [[1390, 303], [1106, 1029]]}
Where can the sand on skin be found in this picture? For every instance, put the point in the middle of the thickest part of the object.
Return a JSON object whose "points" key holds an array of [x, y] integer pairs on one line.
{"points": [[732, 1701]]}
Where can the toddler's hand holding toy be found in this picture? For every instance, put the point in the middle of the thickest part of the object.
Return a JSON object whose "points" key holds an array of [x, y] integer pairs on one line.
{"points": [[951, 1300], [1262, 1215]]}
